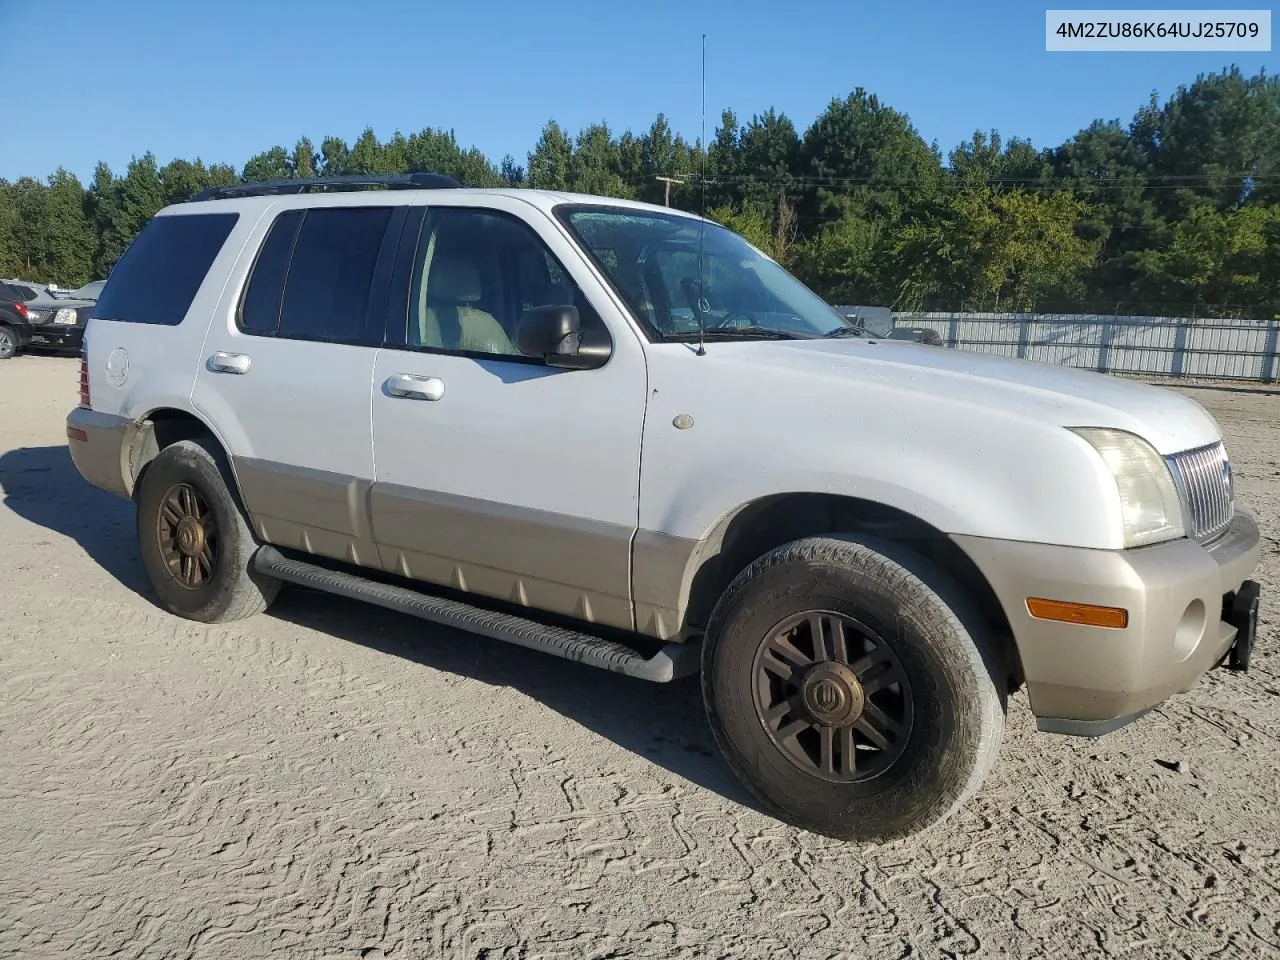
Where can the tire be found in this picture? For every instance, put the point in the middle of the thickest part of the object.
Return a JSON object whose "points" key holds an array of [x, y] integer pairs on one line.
{"points": [[201, 570], [919, 669], [8, 341]]}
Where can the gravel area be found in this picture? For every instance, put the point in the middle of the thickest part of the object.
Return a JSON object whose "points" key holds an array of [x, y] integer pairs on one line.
{"points": [[333, 780]]}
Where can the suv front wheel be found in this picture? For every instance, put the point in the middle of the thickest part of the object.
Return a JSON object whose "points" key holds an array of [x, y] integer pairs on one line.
{"points": [[195, 542], [853, 688]]}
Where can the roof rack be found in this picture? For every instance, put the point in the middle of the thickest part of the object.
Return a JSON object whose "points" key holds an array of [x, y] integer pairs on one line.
{"points": [[400, 181]]}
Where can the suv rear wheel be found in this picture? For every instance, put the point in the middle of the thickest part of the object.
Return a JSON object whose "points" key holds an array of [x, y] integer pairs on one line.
{"points": [[852, 688], [195, 542], [8, 341]]}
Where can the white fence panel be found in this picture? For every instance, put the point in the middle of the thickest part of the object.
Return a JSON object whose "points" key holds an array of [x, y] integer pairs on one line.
{"points": [[1161, 346]]}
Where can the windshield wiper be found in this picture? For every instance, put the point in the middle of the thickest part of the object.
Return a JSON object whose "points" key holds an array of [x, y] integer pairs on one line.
{"points": [[843, 332], [734, 333]]}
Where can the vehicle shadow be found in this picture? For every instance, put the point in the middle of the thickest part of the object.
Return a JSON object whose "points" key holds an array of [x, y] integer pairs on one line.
{"points": [[664, 723], [42, 485]]}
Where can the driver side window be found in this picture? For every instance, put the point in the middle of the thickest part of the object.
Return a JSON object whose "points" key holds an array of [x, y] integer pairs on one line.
{"points": [[475, 273]]}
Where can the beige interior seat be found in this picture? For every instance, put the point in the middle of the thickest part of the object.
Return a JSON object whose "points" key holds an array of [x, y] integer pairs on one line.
{"points": [[448, 317]]}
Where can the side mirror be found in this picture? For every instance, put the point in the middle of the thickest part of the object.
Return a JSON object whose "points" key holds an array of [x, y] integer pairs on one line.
{"points": [[554, 334]]}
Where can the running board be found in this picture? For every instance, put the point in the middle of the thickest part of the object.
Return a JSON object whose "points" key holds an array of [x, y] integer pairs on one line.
{"points": [[672, 661]]}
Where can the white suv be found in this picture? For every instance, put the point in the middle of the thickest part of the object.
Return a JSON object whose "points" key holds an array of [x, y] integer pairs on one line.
{"points": [[621, 434]]}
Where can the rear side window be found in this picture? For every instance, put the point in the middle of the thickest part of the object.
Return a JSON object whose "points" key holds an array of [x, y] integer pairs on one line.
{"points": [[314, 274], [159, 275]]}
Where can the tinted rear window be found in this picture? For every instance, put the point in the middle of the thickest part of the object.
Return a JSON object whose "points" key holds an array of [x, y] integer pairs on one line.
{"points": [[16, 292], [159, 275]]}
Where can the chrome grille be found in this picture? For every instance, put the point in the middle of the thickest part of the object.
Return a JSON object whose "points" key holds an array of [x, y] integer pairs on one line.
{"points": [[1205, 486]]}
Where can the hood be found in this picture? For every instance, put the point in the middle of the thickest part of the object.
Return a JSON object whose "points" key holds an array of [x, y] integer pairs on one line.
{"points": [[46, 302], [1064, 396]]}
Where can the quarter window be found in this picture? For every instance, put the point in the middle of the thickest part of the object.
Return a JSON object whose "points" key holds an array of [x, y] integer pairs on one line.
{"points": [[159, 275]]}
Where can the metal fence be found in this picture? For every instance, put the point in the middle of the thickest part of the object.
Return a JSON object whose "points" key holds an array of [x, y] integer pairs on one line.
{"points": [[1160, 346]]}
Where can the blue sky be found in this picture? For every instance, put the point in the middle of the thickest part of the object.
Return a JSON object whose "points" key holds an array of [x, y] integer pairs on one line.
{"points": [[225, 80]]}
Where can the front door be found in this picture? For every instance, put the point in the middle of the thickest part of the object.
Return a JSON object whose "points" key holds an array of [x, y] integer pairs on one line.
{"points": [[495, 473]]}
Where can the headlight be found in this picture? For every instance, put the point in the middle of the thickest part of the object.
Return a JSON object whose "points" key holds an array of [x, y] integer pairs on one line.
{"points": [[1149, 503]]}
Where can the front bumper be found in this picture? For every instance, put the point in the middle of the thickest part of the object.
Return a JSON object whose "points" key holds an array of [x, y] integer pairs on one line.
{"points": [[58, 335], [1179, 596]]}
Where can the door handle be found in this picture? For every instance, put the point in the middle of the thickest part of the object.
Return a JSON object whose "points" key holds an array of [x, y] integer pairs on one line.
{"points": [[408, 387], [229, 362]]}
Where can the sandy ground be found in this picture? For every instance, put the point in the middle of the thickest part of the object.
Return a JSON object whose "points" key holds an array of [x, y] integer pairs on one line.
{"points": [[331, 780]]}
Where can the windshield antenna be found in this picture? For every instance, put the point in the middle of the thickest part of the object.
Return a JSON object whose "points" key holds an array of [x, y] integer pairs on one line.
{"points": [[702, 226]]}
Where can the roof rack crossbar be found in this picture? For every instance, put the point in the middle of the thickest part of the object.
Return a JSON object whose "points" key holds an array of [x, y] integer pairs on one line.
{"points": [[399, 181]]}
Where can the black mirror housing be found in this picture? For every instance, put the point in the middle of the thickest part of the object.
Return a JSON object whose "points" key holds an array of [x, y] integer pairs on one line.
{"points": [[553, 334]]}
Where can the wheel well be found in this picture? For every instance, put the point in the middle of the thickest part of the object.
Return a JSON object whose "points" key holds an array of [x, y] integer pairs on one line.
{"points": [[771, 522], [160, 429]]}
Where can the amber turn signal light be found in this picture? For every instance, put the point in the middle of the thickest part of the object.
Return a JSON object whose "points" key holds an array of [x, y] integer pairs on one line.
{"points": [[1085, 614]]}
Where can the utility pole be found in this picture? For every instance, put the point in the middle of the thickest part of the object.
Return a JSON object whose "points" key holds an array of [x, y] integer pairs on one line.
{"points": [[668, 181]]}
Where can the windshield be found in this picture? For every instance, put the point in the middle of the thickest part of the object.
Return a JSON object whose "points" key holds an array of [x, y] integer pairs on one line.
{"points": [[90, 291], [652, 259]]}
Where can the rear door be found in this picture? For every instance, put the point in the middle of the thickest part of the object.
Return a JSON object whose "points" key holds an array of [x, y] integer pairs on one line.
{"points": [[287, 368]]}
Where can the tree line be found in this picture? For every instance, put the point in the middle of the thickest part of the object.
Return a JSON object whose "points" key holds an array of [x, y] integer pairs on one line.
{"points": [[1177, 211]]}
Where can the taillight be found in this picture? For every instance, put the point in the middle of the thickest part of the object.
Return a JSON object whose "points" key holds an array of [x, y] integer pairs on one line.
{"points": [[21, 310], [84, 374]]}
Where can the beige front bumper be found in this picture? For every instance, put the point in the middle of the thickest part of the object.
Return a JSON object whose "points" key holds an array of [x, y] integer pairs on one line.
{"points": [[1089, 680]]}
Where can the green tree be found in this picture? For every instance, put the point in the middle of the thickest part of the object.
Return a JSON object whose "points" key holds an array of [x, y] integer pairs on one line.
{"points": [[594, 166], [333, 157], [769, 155], [368, 156], [724, 163], [273, 164], [180, 180], [141, 195], [28, 196], [985, 160], [862, 156], [844, 262], [511, 172], [996, 250], [551, 159], [1216, 140], [305, 161], [101, 206], [1220, 263], [10, 232], [64, 237]]}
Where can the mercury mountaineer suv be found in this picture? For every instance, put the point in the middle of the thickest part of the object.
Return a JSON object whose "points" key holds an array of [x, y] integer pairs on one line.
{"points": [[491, 409]]}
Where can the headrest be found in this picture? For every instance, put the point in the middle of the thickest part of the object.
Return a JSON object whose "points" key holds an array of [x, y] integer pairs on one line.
{"points": [[454, 281]]}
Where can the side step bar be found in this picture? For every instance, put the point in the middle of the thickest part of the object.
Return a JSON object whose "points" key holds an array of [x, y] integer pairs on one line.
{"points": [[672, 661]]}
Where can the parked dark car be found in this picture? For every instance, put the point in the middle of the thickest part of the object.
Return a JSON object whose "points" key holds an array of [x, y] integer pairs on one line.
{"points": [[62, 318], [15, 318]]}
